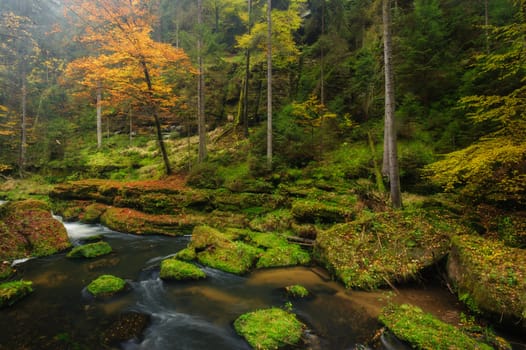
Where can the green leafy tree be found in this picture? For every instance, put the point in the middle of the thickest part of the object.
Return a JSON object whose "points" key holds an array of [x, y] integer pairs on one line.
{"points": [[494, 167]]}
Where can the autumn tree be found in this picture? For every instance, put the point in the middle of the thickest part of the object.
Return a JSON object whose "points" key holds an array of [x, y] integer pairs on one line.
{"points": [[129, 63]]}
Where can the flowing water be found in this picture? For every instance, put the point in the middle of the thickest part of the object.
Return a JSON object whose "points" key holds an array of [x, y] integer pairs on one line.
{"points": [[60, 314]]}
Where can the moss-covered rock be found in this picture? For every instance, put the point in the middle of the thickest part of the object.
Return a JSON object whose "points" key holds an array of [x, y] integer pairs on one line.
{"points": [[385, 247], [173, 269], [284, 255], [11, 292], [90, 250], [490, 278], [424, 331], [269, 329], [136, 222], [27, 228], [186, 254], [92, 213], [234, 257], [106, 286], [313, 211], [296, 291]]}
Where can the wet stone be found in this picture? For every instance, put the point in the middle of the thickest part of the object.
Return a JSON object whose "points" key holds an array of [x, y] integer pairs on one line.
{"points": [[129, 326]]}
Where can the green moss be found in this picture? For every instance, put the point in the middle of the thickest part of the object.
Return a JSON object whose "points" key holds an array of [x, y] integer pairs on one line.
{"points": [[106, 285], [186, 254], [92, 213], [136, 222], [297, 291], [269, 328], [234, 257], [314, 211], [278, 220], [490, 277], [285, 255], [204, 236], [387, 246], [173, 269], [90, 250], [11, 292], [267, 240], [424, 331]]}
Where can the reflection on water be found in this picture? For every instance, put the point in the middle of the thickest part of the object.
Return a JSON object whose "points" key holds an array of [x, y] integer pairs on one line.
{"points": [[187, 315]]}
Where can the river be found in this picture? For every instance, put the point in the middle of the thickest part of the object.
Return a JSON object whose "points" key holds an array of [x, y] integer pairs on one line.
{"points": [[188, 315]]}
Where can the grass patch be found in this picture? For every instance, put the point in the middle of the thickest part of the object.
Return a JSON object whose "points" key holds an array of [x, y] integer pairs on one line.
{"points": [[106, 285], [173, 269], [271, 328], [11, 292], [424, 331], [90, 250]]}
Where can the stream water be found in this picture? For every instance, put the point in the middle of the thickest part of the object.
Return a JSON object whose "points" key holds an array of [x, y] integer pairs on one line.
{"points": [[189, 315]]}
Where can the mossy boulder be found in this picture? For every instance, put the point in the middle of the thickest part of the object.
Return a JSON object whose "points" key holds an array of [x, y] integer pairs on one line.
{"points": [[186, 254], [11, 292], [136, 222], [490, 278], [234, 257], [381, 248], [173, 269], [284, 255], [297, 291], [424, 331], [106, 286], [90, 250], [314, 211], [268, 329], [92, 213], [27, 228]]}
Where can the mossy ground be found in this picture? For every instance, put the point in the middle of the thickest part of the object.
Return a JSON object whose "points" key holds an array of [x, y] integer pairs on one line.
{"points": [[90, 250], [5, 270], [106, 285], [11, 292], [424, 331], [173, 269], [268, 329]]}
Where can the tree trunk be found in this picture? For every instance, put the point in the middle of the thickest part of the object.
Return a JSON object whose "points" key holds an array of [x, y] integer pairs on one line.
{"points": [[201, 126], [247, 74], [269, 84], [99, 115], [322, 55], [390, 129], [23, 122], [155, 113]]}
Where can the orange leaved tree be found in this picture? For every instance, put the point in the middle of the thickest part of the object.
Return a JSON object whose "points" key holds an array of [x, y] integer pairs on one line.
{"points": [[128, 63]]}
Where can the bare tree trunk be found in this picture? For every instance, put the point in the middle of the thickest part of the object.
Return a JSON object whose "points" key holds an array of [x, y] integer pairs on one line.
{"points": [[247, 74], [155, 113], [99, 115], [201, 126], [322, 55], [269, 84], [23, 122], [390, 129]]}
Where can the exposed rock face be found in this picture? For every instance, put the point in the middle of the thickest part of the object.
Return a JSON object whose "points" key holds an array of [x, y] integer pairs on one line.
{"points": [[490, 278], [27, 228]]}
